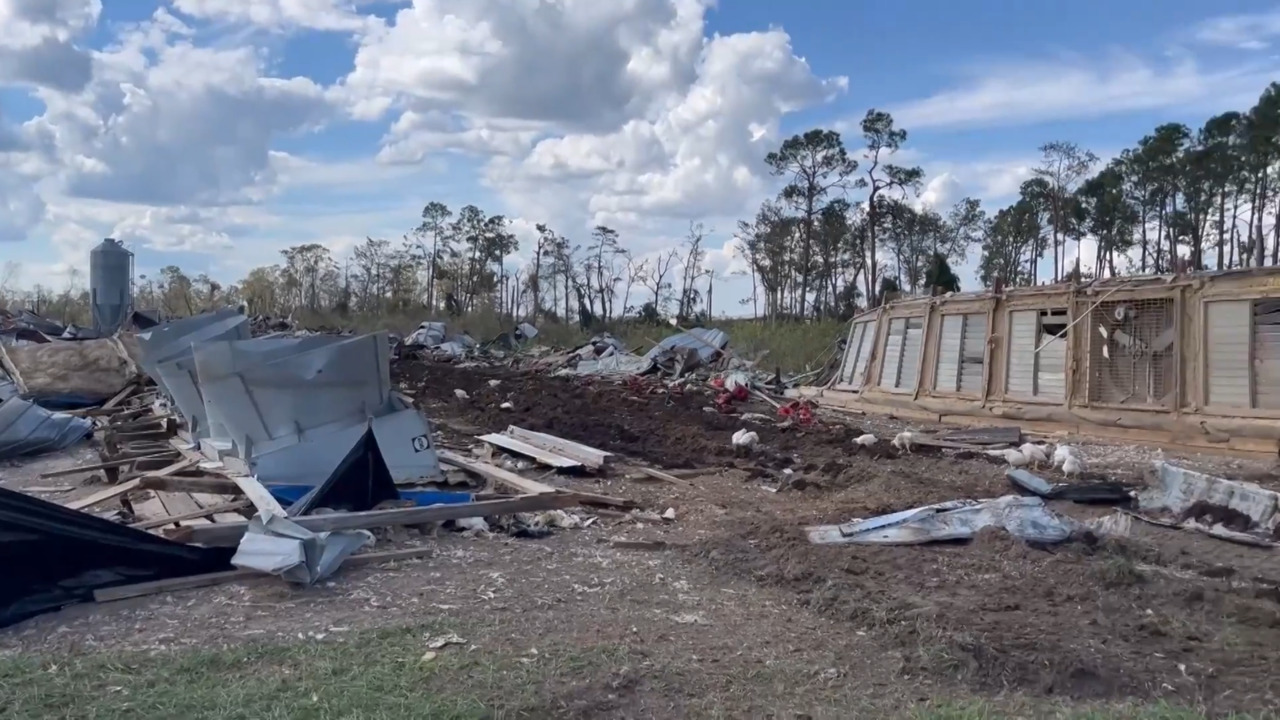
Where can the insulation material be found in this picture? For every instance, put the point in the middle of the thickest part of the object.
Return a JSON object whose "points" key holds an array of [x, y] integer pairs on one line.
{"points": [[71, 374]]}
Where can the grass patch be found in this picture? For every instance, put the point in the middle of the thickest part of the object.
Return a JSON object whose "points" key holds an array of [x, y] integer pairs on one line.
{"points": [[371, 676]]}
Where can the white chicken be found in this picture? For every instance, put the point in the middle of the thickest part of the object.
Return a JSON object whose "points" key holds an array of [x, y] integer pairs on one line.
{"points": [[904, 441], [495, 383], [1035, 453], [745, 438], [1015, 458], [461, 394], [866, 440], [1061, 453], [1072, 466]]}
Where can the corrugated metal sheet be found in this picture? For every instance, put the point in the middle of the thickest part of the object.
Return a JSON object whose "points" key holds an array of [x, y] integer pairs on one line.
{"points": [[951, 337], [890, 366], [911, 354], [1266, 354], [1023, 332], [1227, 345], [973, 353], [28, 429]]}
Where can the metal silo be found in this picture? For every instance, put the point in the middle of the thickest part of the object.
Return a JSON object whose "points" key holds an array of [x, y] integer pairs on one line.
{"points": [[110, 285]]}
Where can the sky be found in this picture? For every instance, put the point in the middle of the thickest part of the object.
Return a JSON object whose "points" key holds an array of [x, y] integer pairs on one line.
{"points": [[211, 134]]}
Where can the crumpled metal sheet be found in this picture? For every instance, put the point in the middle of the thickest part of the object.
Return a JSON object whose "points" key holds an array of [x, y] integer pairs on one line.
{"points": [[1179, 489], [277, 546], [427, 334], [705, 342], [1026, 518], [28, 429]]}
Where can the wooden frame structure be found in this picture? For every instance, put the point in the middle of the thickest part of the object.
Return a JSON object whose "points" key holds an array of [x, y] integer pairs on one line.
{"points": [[1180, 414]]}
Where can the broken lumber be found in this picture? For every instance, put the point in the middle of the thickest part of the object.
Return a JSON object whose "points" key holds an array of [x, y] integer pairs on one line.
{"points": [[227, 534], [118, 462], [211, 485], [114, 491], [201, 513], [542, 455], [659, 475], [583, 454], [124, 592], [494, 473]]}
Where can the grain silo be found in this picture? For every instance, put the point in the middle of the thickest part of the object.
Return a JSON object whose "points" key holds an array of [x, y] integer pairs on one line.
{"points": [[110, 285]]}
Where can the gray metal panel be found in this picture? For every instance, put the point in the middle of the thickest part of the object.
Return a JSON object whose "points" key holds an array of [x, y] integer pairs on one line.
{"points": [[851, 349], [263, 349], [868, 348], [28, 429], [946, 375], [911, 354], [161, 342], [177, 347], [973, 353], [1023, 332], [266, 405], [307, 463], [1266, 354], [110, 286], [893, 339], [404, 439], [1227, 345]]}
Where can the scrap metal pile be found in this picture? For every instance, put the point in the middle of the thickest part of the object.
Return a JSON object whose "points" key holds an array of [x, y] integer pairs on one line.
{"points": [[305, 432]]}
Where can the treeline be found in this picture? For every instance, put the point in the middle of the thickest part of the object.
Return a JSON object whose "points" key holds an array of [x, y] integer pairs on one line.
{"points": [[846, 228]]}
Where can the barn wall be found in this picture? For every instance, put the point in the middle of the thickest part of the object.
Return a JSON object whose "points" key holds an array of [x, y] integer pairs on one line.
{"points": [[1136, 391]]}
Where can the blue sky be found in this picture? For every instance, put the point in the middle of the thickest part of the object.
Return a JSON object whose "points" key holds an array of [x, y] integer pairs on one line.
{"points": [[211, 134]]}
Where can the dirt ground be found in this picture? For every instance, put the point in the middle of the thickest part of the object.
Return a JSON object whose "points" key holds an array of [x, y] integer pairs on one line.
{"points": [[741, 616]]}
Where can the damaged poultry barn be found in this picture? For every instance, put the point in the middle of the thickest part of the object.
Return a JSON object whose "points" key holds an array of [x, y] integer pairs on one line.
{"points": [[1191, 360]]}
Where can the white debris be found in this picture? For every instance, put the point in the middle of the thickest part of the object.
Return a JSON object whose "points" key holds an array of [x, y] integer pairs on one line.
{"points": [[462, 394], [669, 514]]}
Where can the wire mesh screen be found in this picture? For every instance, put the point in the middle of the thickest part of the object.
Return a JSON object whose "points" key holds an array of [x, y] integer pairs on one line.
{"points": [[1132, 347]]}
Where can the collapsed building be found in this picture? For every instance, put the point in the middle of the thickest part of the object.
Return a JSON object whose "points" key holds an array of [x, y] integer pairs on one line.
{"points": [[1186, 359]]}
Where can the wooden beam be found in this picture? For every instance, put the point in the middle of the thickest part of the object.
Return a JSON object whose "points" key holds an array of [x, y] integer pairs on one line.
{"points": [[124, 592], [211, 485], [119, 397], [114, 491], [249, 486], [227, 534], [584, 454], [664, 477], [98, 466], [200, 513], [543, 455], [494, 473], [176, 504]]}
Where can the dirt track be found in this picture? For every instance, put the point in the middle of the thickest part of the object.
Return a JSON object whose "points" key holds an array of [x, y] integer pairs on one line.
{"points": [[1164, 614]]}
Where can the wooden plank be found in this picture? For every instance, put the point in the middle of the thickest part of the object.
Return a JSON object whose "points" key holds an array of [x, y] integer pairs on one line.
{"points": [[659, 475], [120, 397], [249, 486], [584, 454], [209, 500], [124, 592], [543, 456], [227, 534], [202, 512], [101, 496], [177, 504], [986, 436], [494, 473], [118, 462], [211, 485]]}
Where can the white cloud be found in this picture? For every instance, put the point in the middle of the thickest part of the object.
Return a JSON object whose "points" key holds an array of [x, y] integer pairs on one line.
{"points": [[1029, 92], [331, 15], [173, 124], [37, 42], [1252, 31]]}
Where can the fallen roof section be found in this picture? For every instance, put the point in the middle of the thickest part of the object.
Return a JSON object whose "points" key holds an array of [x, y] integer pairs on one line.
{"points": [[28, 429]]}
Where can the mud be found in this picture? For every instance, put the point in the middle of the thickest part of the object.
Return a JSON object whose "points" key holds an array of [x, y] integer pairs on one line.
{"points": [[1161, 616]]}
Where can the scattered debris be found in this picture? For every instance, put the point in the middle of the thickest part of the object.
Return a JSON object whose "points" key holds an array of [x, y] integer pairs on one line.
{"points": [[1025, 518]]}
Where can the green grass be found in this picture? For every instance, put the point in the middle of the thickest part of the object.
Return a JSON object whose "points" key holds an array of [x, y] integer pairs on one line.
{"points": [[381, 675]]}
